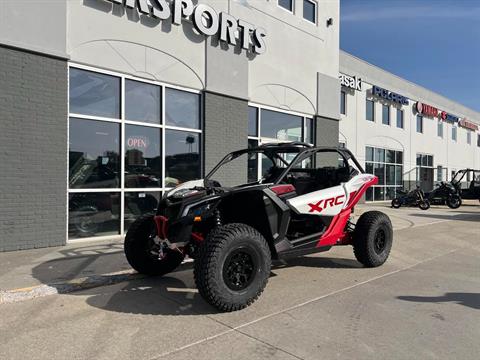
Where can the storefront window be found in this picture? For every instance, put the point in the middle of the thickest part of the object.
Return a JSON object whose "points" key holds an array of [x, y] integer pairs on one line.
{"points": [[182, 109], [387, 165], [182, 157], [132, 142], [139, 204], [94, 149], [143, 161], [281, 126], [142, 102], [252, 121], [93, 214], [94, 94], [424, 173], [309, 136]]}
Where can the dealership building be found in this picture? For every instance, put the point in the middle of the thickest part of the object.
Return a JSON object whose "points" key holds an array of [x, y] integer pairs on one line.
{"points": [[107, 104]]}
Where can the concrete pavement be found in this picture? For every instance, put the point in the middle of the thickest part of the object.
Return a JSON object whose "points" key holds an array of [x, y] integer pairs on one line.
{"points": [[423, 303]]}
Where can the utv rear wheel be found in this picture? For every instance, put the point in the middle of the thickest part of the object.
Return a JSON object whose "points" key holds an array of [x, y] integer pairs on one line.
{"points": [[454, 202], [373, 237], [143, 253], [232, 267]]}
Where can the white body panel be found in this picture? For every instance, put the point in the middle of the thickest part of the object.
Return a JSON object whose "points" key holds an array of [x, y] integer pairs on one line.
{"points": [[328, 202]]}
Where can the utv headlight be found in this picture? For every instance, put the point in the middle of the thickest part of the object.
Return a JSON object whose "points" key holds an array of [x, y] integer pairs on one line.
{"points": [[199, 210]]}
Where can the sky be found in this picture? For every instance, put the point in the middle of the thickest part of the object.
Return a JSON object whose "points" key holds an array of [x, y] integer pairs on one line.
{"points": [[433, 43]]}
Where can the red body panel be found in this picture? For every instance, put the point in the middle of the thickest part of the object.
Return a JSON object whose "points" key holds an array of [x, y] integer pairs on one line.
{"points": [[335, 234]]}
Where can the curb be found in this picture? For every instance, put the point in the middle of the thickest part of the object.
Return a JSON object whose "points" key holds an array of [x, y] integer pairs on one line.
{"points": [[28, 293]]}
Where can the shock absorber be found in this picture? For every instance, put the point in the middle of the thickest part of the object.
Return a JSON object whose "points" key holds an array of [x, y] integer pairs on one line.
{"points": [[218, 218]]}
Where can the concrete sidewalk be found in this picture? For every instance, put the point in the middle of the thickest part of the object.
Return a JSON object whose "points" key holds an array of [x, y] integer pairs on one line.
{"points": [[32, 273]]}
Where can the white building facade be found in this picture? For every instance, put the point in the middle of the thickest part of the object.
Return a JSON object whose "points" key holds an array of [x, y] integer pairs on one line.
{"points": [[403, 133]]}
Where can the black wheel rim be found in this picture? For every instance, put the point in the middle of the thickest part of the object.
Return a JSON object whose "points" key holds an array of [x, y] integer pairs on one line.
{"points": [[239, 269], [380, 241]]}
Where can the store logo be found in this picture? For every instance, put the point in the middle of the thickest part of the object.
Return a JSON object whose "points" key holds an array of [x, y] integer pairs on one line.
{"points": [[351, 82], [389, 95], [432, 111], [468, 124], [325, 203], [205, 20]]}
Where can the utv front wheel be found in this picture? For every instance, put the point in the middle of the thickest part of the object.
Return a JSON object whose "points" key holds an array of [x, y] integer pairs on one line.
{"points": [[143, 254], [372, 239], [232, 267], [454, 202]]}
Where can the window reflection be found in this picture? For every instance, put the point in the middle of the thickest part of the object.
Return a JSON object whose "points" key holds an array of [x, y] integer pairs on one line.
{"points": [[94, 94], [143, 161], [182, 157], [138, 204], [252, 162], [142, 102], [93, 214], [281, 126], [94, 154], [252, 121], [182, 109]]}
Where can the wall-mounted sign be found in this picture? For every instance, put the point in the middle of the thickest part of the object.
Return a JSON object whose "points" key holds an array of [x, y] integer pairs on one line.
{"points": [[389, 95], [351, 82], [432, 111], [205, 20], [468, 124]]}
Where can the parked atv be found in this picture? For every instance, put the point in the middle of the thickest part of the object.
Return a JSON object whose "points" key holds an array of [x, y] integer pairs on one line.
{"points": [[414, 198], [445, 194], [472, 189], [303, 204]]}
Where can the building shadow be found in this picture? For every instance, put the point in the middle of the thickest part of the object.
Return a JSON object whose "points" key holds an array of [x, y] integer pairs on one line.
{"points": [[471, 300], [464, 216]]}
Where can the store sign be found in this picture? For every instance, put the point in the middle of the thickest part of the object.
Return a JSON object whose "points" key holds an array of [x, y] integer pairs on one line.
{"points": [[205, 20], [138, 142], [351, 82], [432, 111], [389, 95], [468, 124]]}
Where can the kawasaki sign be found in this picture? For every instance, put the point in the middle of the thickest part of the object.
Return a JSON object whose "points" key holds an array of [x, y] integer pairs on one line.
{"points": [[205, 20]]}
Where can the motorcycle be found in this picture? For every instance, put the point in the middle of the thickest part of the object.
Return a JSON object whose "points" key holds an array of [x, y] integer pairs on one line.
{"points": [[445, 194], [415, 198]]}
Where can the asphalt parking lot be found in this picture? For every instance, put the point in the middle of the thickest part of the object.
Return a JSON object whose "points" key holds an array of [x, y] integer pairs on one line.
{"points": [[424, 303]]}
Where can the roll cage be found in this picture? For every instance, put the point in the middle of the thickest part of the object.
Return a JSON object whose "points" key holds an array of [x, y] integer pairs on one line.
{"points": [[273, 151]]}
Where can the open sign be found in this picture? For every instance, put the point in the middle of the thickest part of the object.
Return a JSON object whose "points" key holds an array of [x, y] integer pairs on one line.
{"points": [[138, 142]]}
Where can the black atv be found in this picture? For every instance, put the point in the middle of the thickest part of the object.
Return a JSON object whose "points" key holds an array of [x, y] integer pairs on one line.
{"points": [[303, 204], [469, 189], [445, 194]]}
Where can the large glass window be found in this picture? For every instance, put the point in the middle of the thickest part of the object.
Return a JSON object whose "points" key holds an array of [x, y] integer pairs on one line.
{"points": [[94, 154], [343, 103], [281, 126], [142, 102], [425, 172], [387, 165], [182, 157], [310, 11], [370, 110], [286, 4], [182, 109], [143, 161], [386, 114], [400, 123], [120, 166], [94, 94]]}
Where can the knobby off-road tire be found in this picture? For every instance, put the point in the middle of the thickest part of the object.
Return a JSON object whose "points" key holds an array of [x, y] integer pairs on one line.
{"points": [[232, 267], [373, 238], [454, 202], [140, 249]]}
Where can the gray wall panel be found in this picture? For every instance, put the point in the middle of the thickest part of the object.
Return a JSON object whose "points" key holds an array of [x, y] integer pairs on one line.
{"points": [[33, 160], [226, 124]]}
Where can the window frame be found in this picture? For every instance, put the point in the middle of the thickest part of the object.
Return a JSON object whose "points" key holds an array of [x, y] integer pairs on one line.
{"points": [[122, 189], [315, 12]]}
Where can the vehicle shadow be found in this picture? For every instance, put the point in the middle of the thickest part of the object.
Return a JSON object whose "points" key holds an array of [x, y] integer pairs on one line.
{"points": [[460, 216], [471, 300], [173, 294]]}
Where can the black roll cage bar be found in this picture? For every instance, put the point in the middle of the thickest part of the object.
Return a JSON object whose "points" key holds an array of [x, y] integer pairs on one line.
{"points": [[271, 150]]}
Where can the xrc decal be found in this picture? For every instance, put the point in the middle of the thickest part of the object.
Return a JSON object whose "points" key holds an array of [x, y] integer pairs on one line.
{"points": [[326, 203]]}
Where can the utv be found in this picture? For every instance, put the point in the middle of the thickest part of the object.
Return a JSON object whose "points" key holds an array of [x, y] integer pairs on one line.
{"points": [[302, 204], [469, 190]]}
